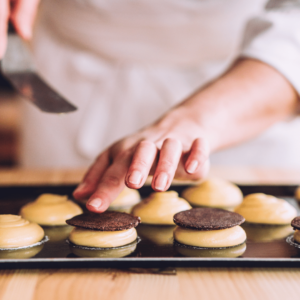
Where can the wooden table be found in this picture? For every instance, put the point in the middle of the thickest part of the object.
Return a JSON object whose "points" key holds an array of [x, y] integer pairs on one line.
{"points": [[142, 284]]}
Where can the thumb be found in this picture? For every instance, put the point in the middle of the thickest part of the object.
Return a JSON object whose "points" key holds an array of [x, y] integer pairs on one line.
{"points": [[23, 16]]}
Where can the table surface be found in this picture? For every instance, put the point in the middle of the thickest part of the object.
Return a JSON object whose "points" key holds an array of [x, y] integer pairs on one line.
{"points": [[179, 283]]}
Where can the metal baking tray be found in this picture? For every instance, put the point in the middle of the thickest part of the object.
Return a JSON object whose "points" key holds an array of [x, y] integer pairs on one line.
{"points": [[155, 248]]}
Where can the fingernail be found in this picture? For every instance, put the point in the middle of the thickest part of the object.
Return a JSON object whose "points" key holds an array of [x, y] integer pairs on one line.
{"points": [[161, 181], [80, 187], [95, 202], [135, 177], [192, 166]]}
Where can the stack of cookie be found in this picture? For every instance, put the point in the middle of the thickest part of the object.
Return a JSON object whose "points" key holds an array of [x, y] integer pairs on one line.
{"points": [[209, 232], [110, 230]]}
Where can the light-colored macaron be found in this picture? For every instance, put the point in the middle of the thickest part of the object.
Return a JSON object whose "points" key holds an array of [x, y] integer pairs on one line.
{"points": [[214, 192], [50, 210], [266, 209], [159, 208]]}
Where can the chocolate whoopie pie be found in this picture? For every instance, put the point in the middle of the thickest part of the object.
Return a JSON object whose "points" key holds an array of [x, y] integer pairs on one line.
{"points": [[294, 239], [296, 223], [209, 228], [208, 219], [106, 221], [108, 230]]}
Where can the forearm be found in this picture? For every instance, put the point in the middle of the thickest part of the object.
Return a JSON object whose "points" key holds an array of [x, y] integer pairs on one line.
{"points": [[245, 101]]}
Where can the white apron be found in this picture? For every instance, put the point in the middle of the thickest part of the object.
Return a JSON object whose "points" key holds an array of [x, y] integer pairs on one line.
{"points": [[124, 63]]}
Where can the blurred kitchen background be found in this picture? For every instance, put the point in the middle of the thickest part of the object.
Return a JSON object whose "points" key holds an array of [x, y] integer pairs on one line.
{"points": [[10, 111], [11, 116], [9, 127]]}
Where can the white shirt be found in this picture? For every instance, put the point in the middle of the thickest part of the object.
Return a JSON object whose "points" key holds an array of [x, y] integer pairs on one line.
{"points": [[124, 63]]}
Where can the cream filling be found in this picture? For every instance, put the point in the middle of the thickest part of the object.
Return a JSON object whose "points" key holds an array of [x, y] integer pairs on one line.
{"points": [[17, 232], [107, 253], [102, 239], [214, 193], [225, 252], [127, 197], [265, 233], [210, 238], [50, 210], [157, 234], [297, 236], [160, 208], [58, 233], [266, 209], [21, 253]]}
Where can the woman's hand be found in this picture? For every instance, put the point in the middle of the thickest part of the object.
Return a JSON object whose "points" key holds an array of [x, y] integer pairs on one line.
{"points": [[246, 100], [22, 14], [173, 147]]}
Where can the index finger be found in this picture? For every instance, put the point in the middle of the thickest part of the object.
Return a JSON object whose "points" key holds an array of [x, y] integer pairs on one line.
{"points": [[90, 181], [4, 15], [110, 185]]}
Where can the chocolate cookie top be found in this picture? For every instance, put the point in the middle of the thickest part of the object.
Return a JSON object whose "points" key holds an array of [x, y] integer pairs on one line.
{"points": [[208, 219], [107, 221], [296, 223]]}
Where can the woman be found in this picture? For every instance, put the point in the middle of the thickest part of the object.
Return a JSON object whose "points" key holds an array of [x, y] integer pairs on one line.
{"points": [[181, 79]]}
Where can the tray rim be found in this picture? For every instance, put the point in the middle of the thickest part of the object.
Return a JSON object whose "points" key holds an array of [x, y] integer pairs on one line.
{"points": [[121, 263], [146, 262]]}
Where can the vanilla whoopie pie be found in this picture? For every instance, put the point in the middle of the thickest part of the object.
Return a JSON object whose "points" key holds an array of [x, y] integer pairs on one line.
{"points": [[215, 193], [209, 228], [50, 210], [106, 230], [265, 209], [127, 198], [16, 232], [159, 208]]}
